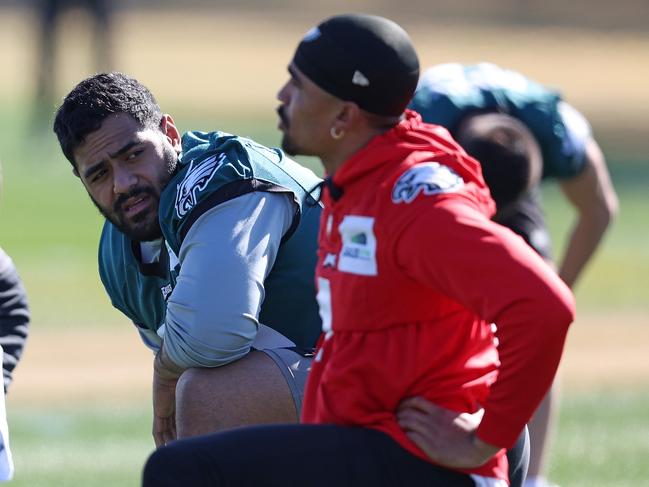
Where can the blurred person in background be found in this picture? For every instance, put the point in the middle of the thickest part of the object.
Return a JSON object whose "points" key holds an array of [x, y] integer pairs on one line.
{"points": [[412, 383], [209, 247], [14, 314], [14, 317], [49, 14], [503, 119], [14, 325]]}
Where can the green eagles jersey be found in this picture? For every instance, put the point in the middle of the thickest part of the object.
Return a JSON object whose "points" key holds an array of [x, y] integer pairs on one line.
{"points": [[137, 290], [449, 92], [217, 167]]}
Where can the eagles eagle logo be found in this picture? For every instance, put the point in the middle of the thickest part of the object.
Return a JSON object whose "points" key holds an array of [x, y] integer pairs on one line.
{"points": [[430, 178], [194, 181]]}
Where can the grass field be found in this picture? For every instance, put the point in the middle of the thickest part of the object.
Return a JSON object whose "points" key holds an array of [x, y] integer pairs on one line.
{"points": [[104, 446], [79, 409]]}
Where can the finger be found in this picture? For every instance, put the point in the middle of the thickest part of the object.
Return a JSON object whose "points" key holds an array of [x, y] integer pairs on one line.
{"points": [[167, 430], [168, 437], [428, 407], [433, 416], [171, 430], [427, 445], [418, 403], [163, 431], [417, 421], [409, 412], [157, 438]]}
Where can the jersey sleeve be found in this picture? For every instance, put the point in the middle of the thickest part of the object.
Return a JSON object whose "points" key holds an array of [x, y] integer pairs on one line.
{"points": [[456, 250], [216, 168], [212, 313], [568, 157], [14, 317]]}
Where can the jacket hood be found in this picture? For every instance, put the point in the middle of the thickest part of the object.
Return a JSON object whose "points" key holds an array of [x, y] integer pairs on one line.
{"points": [[412, 139]]}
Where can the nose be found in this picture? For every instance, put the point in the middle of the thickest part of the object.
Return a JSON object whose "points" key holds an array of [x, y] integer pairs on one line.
{"points": [[124, 179], [283, 93]]}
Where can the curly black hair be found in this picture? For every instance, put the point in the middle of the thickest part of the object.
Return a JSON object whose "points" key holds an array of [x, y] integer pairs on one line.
{"points": [[86, 107]]}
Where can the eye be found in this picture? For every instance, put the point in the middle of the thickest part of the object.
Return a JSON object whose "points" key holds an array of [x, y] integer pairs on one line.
{"points": [[98, 175], [134, 154]]}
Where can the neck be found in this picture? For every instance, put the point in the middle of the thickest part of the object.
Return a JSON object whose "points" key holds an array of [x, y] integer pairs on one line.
{"points": [[344, 149]]}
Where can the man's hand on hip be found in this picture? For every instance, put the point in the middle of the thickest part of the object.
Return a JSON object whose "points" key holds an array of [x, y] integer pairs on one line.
{"points": [[446, 436]]}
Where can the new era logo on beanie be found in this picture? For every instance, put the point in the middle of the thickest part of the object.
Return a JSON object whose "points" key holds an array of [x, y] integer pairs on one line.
{"points": [[312, 35], [360, 79], [362, 58]]}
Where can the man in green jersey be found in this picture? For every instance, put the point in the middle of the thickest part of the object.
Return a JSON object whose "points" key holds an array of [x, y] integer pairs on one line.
{"points": [[523, 132], [209, 248]]}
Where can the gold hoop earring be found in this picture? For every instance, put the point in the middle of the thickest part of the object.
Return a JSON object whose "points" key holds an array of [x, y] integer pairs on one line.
{"points": [[335, 134]]}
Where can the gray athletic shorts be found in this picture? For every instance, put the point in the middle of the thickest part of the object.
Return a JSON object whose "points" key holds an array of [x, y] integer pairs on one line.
{"points": [[295, 366]]}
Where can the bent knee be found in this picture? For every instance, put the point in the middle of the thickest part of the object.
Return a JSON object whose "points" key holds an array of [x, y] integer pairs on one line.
{"points": [[163, 469], [196, 377]]}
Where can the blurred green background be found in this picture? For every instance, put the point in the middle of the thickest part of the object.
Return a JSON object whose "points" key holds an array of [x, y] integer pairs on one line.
{"points": [[79, 408]]}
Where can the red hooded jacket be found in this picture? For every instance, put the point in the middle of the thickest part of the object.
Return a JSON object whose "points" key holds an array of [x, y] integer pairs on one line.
{"points": [[411, 275]]}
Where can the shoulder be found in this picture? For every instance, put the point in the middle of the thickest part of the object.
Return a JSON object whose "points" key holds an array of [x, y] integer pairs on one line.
{"points": [[113, 256], [567, 158], [216, 168], [440, 170], [218, 162], [210, 167]]}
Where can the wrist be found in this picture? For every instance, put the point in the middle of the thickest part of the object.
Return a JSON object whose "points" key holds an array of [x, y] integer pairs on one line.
{"points": [[484, 451], [164, 368]]}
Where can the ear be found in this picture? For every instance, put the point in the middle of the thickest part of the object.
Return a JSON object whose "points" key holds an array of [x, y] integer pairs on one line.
{"points": [[348, 116], [168, 127]]}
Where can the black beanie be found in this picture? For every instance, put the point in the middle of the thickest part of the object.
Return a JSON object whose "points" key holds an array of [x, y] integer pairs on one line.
{"points": [[361, 58]]}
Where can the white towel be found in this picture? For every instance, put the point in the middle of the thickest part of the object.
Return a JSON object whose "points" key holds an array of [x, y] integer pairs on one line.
{"points": [[6, 460]]}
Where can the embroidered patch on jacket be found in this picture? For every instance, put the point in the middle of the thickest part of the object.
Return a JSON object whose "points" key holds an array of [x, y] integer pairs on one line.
{"points": [[429, 178], [195, 180], [358, 254]]}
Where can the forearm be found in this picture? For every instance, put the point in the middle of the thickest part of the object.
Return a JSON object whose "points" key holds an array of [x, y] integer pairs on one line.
{"points": [[165, 378], [493, 273], [531, 332], [530, 351], [584, 239], [164, 368], [593, 196]]}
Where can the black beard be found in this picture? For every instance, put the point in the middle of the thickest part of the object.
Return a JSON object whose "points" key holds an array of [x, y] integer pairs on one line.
{"points": [[139, 233], [151, 230], [288, 146]]}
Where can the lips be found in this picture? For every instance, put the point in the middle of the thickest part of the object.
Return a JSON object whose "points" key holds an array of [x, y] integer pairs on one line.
{"points": [[136, 204], [283, 122]]}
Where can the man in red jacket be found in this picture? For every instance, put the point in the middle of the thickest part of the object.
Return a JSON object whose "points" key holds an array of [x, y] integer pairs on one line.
{"points": [[413, 381]]}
